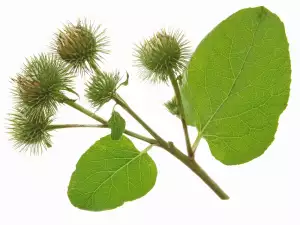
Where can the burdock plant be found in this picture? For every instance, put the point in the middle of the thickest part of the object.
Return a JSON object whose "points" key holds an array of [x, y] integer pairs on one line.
{"points": [[232, 90]]}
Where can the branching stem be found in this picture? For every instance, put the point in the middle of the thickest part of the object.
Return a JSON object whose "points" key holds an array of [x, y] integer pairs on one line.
{"points": [[169, 146], [182, 114], [127, 108], [195, 167], [189, 160], [104, 122]]}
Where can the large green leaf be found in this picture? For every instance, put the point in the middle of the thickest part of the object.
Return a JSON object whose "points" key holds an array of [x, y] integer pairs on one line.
{"points": [[238, 84], [111, 173]]}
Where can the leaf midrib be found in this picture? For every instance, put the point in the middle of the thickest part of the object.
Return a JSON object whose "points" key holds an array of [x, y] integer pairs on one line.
{"points": [[233, 85], [110, 177]]}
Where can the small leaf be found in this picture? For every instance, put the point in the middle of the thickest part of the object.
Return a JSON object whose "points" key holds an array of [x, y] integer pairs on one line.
{"points": [[127, 79], [111, 173], [125, 83], [117, 125], [238, 84], [72, 91]]}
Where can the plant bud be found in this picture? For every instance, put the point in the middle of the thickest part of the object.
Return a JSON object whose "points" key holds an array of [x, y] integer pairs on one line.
{"points": [[101, 88], [164, 53], [80, 44], [40, 85], [29, 134]]}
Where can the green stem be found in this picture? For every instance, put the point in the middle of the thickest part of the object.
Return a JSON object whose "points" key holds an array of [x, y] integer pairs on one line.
{"points": [[192, 164], [169, 146], [182, 114], [127, 108], [85, 111], [104, 122], [94, 66], [141, 137], [61, 126], [188, 161], [197, 141], [147, 148]]}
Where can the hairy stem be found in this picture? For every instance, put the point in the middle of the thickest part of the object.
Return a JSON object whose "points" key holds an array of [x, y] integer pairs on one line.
{"points": [[104, 122], [182, 114]]}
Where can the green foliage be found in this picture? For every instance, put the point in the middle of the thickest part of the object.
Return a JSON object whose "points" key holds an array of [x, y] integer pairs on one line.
{"points": [[40, 85], [101, 88], [111, 173], [117, 125], [233, 91], [163, 53], [81, 44], [29, 134], [238, 84], [126, 82]]}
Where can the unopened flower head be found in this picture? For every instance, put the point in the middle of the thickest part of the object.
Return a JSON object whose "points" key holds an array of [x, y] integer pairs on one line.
{"points": [[101, 87], [81, 44], [28, 133], [162, 54], [40, 85]]}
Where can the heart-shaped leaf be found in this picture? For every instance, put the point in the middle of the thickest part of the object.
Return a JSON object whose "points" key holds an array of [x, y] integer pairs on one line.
{"points": [[238, 84], [111, 173]]}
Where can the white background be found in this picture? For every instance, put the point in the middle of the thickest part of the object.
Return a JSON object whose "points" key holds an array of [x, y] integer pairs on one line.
{"points": [[33, 189]]}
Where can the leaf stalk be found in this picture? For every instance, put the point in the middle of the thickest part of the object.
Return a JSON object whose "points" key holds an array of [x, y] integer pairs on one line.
{"points": [[197, 141]]}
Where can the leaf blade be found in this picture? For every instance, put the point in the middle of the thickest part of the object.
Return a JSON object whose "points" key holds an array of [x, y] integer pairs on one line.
{"points": [[117, 125], [111, 173], [238, 85]]}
